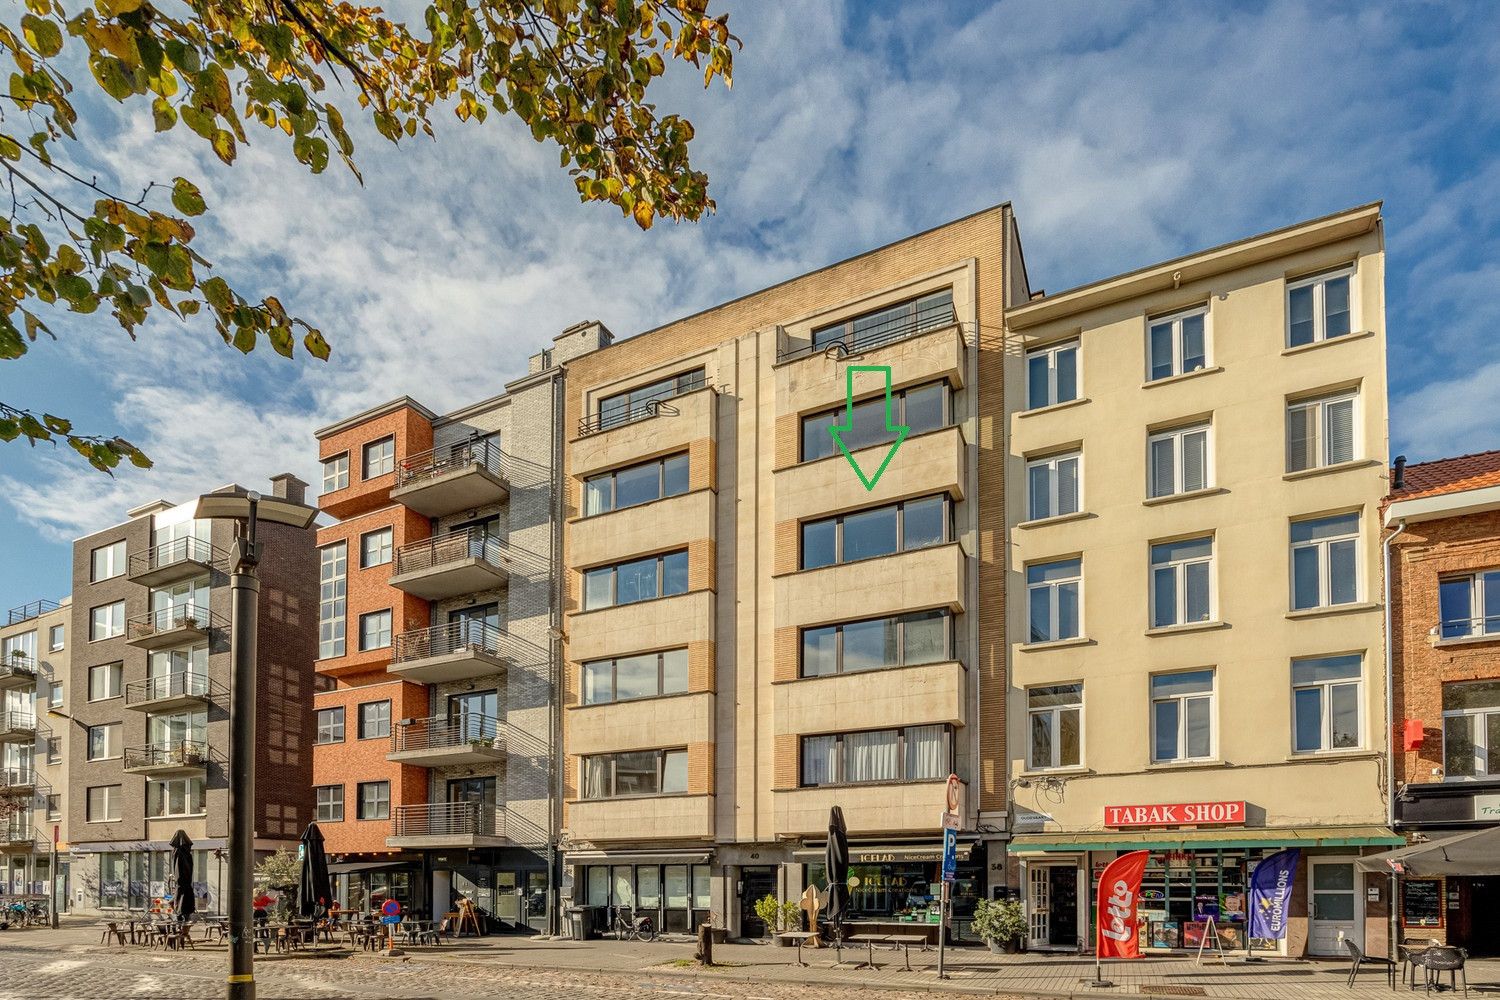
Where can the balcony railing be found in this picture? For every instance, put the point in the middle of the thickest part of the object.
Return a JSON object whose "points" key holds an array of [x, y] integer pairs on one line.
{"points": [[1471, 628], [168, 619], [450, 819], [190, 684], [639, 407], [18, 668], [444, 640], [450, 547], [15, 832], [16, 778], [443, 733], [176, 552], [440, 461], [853, 341], [174, 753], [26, 612], [15, 721]]}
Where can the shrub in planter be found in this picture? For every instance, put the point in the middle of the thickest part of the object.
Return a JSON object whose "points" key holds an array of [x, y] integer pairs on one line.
{"points": [[1001, 923], [778, 916]]}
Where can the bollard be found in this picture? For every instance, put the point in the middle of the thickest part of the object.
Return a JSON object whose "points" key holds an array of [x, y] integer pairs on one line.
{"points": [[705, 952]]}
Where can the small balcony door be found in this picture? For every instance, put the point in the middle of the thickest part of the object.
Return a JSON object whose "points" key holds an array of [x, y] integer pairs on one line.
{"points": [[472, 715], [472, 625], [481, 793], [482, 534]]}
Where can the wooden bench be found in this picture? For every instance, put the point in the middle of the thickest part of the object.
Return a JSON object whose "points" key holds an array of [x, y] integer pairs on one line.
{"points": [[801, 938]]}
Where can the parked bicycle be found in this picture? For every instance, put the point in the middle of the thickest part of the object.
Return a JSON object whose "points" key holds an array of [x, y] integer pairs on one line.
{"points": [[628, 926]]}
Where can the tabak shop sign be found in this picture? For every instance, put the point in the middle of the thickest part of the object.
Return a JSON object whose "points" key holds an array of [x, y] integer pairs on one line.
{"points": [[1176, 814]]}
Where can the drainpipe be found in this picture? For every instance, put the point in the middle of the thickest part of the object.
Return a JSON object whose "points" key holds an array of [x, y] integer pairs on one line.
{"points": [[1390, 717]]}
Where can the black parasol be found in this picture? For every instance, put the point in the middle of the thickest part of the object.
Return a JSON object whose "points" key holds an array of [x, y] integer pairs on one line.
{"points": [[184, 900], [313, 890], [836, 862]]}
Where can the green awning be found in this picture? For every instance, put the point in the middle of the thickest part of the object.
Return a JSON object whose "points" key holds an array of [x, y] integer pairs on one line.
{"points": [[1176, 840]]}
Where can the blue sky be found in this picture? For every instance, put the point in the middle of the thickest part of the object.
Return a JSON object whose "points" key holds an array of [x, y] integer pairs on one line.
{"points": [[1124, 133]]}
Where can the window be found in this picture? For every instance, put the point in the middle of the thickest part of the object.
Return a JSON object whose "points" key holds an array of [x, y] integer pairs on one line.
{"points": [[374, 800], [1326, 692], [1053, 486], [1182, 709], [375, 548], [637, 580], [1054, 718], [921, 408], [332, 590], [176, 797], [54, 806], [1471, 730], [634, 404], [56, 636], [1182, 582], [375, 720], [890, 323], [1052, 375], [379, 458], [330, 803], [108, 561], [54, 749], [1325, 556], [335, 473], [880, 531], [1469, 605], [1179, 460], [330, 725], [104, 741], [107, 621], [902, 640], [1320, 432], [646, 675], [641, 772], [177, 727], [1054, 593], [917, 753], [1317, 308], [1177, 344], [106, 681], [638, 484], [55, 694], [375, 630], [102, 804]]}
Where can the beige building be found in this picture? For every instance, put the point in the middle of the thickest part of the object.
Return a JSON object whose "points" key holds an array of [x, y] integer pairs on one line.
{"points": [[752, 635], [1198, 451]]}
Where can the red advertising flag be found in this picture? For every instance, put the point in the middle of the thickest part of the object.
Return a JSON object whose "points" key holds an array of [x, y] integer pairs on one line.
{"points": [[1119, 892]]}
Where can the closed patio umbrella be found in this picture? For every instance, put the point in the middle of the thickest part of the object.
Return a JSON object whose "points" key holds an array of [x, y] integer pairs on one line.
{"points": [[313, 891], [836, 863], [184, 900], [1475, 852]]}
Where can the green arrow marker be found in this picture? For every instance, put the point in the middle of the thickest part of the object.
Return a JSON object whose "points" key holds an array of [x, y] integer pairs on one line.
{"points": [[839, 430]]}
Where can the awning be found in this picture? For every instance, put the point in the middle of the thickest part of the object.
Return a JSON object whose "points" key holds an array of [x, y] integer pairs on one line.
{"points": [[1474, 852], [874, 854], [637, 857], [349, 867], [141, 846], [1175, 840]]}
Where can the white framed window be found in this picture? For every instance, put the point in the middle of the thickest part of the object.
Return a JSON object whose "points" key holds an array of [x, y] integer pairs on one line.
{"points": [[56, 637], [375, 720], [330, 725], [108, 561], [1325, 561], [54, 749], [336, 473], [379, 458], [104, 741], [1180, 460], [1319, 308], [1182, 716], [330, 803], [1177, 344], [1321, 431], [54, 807], [1471, 730], [1054, 723], [1469, 605], [376, 548], [1054, 594], [375, 630], [55, 694], [107, 621], [374, 800], [176, 797], [1182, 582], [333, 585], [107, 680], [102, 804], [1326, 695], [1054, 486], [1052, 375]]}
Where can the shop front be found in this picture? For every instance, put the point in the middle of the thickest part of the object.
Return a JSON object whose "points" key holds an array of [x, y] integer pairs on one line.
{"points": [[673, 888], [1461, 910], [895, 888]]}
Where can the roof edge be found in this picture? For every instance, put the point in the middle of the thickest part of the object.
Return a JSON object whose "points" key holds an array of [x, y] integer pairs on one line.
{"points": [[379, 410]]}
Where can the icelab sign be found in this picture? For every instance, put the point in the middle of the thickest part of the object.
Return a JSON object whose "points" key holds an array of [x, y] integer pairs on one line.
{"points": [[1175, 814]]}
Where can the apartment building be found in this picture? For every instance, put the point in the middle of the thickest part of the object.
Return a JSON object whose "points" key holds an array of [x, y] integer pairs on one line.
{"points": [[148, 699], [34, 652], [753, 635], [1199, 449], [1442, 521], [435, 719]]}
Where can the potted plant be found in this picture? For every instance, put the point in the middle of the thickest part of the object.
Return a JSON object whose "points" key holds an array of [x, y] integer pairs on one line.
{"points": [[1001, 923], [777, 917]]}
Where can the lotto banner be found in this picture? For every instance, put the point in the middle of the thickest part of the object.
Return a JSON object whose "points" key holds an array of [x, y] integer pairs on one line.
{"points": [[1270, 891], [1119, 894]]}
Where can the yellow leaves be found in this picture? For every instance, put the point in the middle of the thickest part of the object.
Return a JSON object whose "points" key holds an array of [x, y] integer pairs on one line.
{"points": [[42, 34], [642, 214], [223, 146]]}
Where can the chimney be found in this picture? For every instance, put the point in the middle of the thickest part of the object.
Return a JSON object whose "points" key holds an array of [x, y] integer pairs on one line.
{"points": [[1399, 481], [288, 487]]}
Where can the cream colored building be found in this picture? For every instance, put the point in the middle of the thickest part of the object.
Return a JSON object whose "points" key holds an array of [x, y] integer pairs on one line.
{"points": [[1197, 455], [752, 636]]}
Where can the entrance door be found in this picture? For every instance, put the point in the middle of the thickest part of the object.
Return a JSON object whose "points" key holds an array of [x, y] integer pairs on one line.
{"points": [[508, 899], [1337, 908], [1038, 905], [1062, 889], [759, 882], [473, 715], [480, 792]]}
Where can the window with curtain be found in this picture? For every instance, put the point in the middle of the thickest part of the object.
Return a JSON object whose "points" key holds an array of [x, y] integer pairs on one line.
{"points": [[637, 772], [1179, 460], [635, 485], [1054, 486], [916, 753], [1320, 432]]}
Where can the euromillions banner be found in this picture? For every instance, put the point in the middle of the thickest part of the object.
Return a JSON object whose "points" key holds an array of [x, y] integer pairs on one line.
{"points": [[1270, 889]]}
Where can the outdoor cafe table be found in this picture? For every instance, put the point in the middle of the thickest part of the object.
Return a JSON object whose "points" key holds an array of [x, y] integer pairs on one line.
{"points": [[870, 940]]}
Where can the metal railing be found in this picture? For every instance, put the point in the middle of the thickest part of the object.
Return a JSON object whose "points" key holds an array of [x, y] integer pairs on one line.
{"points": [[639, 408], [168, 619], [16, 721], [440, 461], [1468, 628], [450, 819], [18, 665], [450, 547], [897, 328], [17, 777], [178, 550], [171, 685], [26, 612], [173, 753], [13, 832], [454, 637], [441, 732]]}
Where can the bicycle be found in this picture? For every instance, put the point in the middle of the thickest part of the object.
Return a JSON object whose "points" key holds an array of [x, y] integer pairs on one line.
{"points": [[627, 926]]}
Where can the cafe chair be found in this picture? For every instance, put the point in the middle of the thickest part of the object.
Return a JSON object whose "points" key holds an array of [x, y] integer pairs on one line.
{"points": [[112, 931], [1361, 959], [1443, 959]]}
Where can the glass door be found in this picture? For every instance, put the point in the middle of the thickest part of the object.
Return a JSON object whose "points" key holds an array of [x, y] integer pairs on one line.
{"points": [[481, 794], [1337, 911], [507, 898], [473, 715], [472, 626]]}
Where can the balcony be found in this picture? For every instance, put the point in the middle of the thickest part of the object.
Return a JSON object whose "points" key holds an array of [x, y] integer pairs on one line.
{"points": [[17, 727], [26, 612], [459, 562], [19, 671], [445, 480], [15, 835], [864, 336], [163, 760], [448, 824], [457, 651], [171, 691], [439, 741], [17, 781], [179, 559], [643, 407], [170, 626], [688, 422]]}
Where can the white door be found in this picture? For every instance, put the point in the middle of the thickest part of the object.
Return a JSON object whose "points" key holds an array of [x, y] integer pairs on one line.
{"points": [[1038, 905], [1337, 907]]}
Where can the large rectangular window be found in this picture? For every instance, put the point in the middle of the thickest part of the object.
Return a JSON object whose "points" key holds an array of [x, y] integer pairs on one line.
{"points": [[1318, 307], [638, 484], [107, 561], [1326, 695], [1052, 375], [1054, 486], [379, 458], [640, 772], [1469, 605], [1177, 344], [889, 324], [107, 680], [916, 753], [1054, 595], [330, 725], [107, 621], [879, 531], [1182, 712], [900, 640], [921, 408], [645, 675], [176, 797], [104, 741], [374, 800], [102, 804], [1054, 717], [1471, 730], [1179, 460], [333, 574], [375, 720], [1325, 560], [1182, 582], [642, 401], [1320, 432], [636, 580], [335, 473], [375, 630], [330, 803]]}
